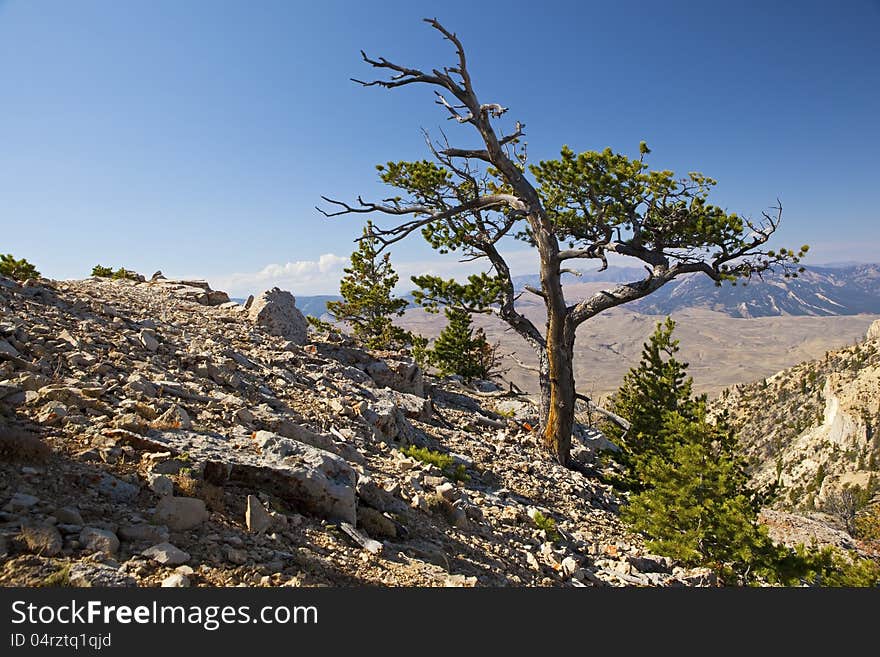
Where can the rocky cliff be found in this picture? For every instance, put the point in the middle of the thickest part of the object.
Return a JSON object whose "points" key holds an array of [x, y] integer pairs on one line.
{"points": [[154, 433], [813, 428]]}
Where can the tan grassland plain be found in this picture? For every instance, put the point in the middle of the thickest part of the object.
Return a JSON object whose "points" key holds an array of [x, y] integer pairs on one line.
{"points": [[721, 350]]}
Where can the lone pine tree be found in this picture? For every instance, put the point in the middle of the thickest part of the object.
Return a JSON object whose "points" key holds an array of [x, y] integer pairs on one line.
{"points": [[657, 386], [459, 349], [580, 206], [697, 506], [368, 303], [693, 501]]}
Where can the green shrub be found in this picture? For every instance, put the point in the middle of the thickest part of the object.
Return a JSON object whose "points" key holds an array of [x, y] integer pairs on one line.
{"points": [[20, 270], [121, 273], [445, 463], [548, 525], [368, 303], [60, 577]]}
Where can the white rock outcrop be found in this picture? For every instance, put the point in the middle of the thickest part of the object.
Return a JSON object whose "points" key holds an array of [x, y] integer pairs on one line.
{"points": [[275, 311]]}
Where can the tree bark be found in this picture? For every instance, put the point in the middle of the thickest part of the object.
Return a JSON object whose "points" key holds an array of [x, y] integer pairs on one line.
{"points": [[559, 348], [561, 403]]}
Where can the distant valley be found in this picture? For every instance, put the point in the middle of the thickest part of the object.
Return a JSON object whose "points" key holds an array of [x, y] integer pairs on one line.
{"points": [[730, 335]]}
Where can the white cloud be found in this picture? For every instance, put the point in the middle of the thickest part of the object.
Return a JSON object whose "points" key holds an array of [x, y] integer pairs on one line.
{"points": [[307, 277], [321, 276]]}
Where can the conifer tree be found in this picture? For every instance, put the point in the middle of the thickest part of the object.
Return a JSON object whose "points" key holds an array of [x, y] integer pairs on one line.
{"points": [[368, 304], [698, 507], [694, 502], [20, 270], [460, 349], [579, 206], [657, 386]]}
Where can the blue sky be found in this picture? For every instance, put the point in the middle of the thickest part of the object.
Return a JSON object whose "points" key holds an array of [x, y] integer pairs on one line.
{"points": [[196, 137]]}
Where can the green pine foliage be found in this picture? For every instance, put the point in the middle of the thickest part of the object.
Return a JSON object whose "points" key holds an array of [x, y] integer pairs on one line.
{"points": [[444, 462], [20, 270], [368, 304], [460, 349], [693, 501], [548, 526], [696, 505], [121, 273], [657, 386]]}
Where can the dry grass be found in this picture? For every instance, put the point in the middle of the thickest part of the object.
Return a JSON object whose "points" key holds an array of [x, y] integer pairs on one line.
{"points": [[19, 446], [212, 495]]}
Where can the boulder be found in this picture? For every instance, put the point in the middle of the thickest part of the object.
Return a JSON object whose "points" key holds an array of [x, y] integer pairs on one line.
{"points": [[181, 513], [650, 563], [148, 339], [116, 489], [21, 502], [275, 311], [401, 375], [196, 291], [310, 479], [176, 417], [100, 575], [413, 406], [99, 540], [388, 422], [370, 493], [68, 515], [375, 523], [144, 533], [43, 539], [874, 331], [175, 580], [161, 484], [166, 553]]}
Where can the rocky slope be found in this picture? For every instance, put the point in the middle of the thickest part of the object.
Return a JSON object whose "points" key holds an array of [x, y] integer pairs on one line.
{"points": [[154, 434], [813, 427]]}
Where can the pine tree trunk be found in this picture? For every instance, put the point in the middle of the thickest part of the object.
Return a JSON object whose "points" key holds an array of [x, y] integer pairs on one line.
{"points": [[557, 384], [560, 391], [544, 386]]}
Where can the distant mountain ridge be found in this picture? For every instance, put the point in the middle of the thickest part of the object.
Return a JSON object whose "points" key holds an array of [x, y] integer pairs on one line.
{"points": [[819, 291], [822, 290]]}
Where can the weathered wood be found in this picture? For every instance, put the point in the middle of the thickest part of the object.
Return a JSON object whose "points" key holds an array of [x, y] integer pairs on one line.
{"points": [[370, 545]]}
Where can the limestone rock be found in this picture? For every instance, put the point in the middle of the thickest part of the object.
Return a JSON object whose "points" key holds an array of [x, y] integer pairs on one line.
{"points": [[144, 533], [99, 540], [275, 311], [86, 574], [21, 502], [176, 580], [181, 513], [42, 539], [116, 489], [403, 376], [319, 482], [161, 485], [236, 555], [375, 523], [388, 422], [257, 518], [148, 339], [69, 515], [167, 554], [175, 417]]}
